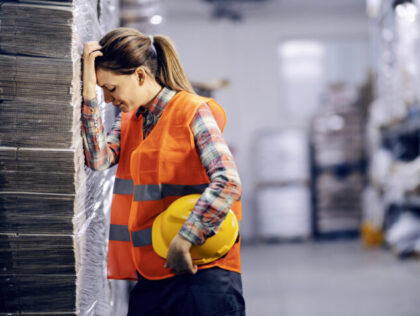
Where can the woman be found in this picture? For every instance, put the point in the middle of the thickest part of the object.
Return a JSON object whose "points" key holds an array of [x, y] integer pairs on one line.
{"points": [[167, 142]]}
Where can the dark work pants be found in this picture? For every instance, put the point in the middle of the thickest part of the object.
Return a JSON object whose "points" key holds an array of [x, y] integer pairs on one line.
{"points": [[209, 292]]}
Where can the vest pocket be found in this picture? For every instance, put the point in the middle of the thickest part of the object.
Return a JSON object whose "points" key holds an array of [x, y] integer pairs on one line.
{"points": [[178, 139], [144, 161]]}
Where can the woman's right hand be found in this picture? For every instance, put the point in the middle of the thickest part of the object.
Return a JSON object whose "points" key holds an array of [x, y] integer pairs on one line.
{"points": [[91, 50]]}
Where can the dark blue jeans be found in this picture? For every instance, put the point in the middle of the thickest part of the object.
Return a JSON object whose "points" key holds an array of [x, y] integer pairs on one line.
{"points": [[209, 292]]}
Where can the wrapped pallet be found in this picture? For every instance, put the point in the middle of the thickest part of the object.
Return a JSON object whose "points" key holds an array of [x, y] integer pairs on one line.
{"points": [[282, 156], [282, 185], [53, 230], [284, 212]]}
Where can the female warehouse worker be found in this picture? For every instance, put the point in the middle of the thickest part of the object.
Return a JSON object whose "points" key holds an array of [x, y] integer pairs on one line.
{"points": [[167, 141]]}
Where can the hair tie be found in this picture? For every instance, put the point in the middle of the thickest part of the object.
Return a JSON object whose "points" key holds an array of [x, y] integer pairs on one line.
{"points": [[152, 45]]}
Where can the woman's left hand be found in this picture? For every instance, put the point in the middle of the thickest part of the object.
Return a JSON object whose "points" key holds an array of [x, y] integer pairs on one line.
{"points": [[179, 258]]}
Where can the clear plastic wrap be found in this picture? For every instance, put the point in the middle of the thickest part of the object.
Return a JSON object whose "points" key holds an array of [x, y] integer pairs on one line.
{"points": [[396, 35], [404, 235], [93, 188], [392, 129]]}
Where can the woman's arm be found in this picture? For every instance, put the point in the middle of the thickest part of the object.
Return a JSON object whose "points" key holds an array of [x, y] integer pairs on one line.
{"points": [[101, 151], [216, 200], [225, 184]]}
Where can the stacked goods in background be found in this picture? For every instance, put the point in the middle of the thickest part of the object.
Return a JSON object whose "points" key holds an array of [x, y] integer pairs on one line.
{"points": [[282, 185], [337, 164], [143, 15], [52, 209], [392, 199]]}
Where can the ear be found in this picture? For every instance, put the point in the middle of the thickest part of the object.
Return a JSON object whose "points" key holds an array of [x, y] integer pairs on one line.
{"points": [[141, 75]]}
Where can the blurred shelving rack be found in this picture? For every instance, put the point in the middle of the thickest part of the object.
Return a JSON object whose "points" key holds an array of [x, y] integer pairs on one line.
{"points": [[338, 165], [394, 117]]}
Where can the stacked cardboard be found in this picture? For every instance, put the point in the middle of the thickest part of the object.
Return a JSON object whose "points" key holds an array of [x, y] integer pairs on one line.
{"points": [[36, 29], [51, 207], [37, 190]]}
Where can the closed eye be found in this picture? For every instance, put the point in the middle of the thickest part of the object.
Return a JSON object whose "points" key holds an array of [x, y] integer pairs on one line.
{"points": [[112, 90]]}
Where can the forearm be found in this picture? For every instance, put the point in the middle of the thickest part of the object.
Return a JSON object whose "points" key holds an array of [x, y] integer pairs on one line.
{"points": [[225, 186], [101, 151], [212, 207]]}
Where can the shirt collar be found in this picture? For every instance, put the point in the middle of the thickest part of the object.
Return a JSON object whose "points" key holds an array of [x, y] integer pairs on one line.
{"points": [[158, 104]]}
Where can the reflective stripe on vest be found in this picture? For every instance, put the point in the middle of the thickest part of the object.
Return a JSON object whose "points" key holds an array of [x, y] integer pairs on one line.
{"points": [[153, 192], [123, 186], [119, 232], [141, 237]]}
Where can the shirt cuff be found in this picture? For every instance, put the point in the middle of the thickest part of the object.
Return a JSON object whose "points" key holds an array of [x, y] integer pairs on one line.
{"points": [[194, 231]]}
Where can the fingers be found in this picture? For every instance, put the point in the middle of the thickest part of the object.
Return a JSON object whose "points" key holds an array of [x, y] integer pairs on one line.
{"points": [[191, 268], [186, 266], [194, 269], [96, 53], [92, 50], [180, 262], [178, 258], [91, 46]]}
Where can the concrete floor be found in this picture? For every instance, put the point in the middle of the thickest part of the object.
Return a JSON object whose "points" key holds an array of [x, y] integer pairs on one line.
{"points": [[338, 278]]}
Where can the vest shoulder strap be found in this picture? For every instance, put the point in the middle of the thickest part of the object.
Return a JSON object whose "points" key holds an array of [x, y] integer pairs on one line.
{"points": [[188, 104]]}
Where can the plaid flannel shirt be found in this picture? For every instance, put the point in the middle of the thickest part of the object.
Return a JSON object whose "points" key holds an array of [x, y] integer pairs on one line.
{"points": [[102, 151]]}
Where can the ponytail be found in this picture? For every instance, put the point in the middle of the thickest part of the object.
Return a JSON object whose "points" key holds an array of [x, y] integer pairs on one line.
{"points": [[126, 49], [170, 72]]}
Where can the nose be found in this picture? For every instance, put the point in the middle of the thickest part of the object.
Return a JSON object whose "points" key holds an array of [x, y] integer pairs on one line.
{"points": [[108, 97]]}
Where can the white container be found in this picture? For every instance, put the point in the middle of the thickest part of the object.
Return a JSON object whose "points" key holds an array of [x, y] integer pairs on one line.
{"points": [[282, 156], [284, 212]]}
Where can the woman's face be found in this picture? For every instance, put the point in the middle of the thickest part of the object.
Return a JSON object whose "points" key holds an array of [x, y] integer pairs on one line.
{"points": [[126, 92]]}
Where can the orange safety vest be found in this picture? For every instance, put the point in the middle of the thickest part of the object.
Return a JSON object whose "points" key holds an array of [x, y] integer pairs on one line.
{"points": [[163, 167]]}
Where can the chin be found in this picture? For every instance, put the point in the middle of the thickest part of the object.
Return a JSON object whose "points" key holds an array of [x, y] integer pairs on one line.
{"points": [[124, 108]]}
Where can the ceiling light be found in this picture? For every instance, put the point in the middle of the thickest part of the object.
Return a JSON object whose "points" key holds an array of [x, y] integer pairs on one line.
{"points": [[407, 11], [156, 19]]}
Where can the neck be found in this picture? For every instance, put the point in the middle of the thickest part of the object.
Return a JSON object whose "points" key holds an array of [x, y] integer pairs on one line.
{"points": [[154, 92]]}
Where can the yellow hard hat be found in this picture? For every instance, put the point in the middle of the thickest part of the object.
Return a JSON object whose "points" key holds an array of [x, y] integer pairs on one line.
{"points": [[169, 223]]}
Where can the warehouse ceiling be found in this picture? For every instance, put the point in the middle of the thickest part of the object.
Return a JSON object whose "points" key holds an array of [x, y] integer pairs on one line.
{"points": [[237, 10]]}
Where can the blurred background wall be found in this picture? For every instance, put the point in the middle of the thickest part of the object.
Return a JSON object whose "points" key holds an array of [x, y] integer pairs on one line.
{"points": [[266, 90]]}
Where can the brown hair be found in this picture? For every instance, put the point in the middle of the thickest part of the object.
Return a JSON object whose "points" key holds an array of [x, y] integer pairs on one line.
{"points": [[126, 49]]}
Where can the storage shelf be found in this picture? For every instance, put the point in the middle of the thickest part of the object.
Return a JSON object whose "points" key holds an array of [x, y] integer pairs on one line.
{"points": [[342, 169], [403, 139]]}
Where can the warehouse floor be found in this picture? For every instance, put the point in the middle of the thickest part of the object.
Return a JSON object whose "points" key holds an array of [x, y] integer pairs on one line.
{"points": [[338, 278]]}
